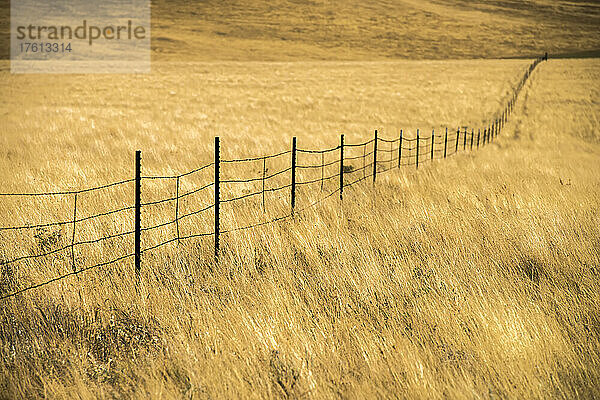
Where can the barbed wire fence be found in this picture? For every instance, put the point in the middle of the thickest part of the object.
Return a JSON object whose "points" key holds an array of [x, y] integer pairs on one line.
{"points": [[352, 164]]}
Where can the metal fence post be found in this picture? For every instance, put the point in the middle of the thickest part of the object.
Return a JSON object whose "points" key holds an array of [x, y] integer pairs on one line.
{"points": [[472, 133], [445, 142], [341, 167], [457, 137], [217, 194], [400, 150], [138, 213], [264, 174], [73, 236], [495, 127], [432, 142], [364, 160], [478, 135], [417, 155], [465, 140], [177, 209], [375, 157], [293, 194]]}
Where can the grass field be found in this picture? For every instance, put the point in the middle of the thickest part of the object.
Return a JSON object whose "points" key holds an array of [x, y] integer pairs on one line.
{"points": [[374, 30], [287, 30], [475, 277]]}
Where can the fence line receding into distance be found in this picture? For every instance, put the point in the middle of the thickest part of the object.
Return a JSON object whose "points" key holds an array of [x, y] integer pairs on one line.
{"points": [[375, 156]]}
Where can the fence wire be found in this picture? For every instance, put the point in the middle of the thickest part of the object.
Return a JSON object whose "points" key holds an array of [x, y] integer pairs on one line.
{"points": [[418, 151]]}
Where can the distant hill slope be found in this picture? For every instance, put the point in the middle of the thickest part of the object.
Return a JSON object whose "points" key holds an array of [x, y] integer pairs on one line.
{"points": [[353, 29], [363, 30]]}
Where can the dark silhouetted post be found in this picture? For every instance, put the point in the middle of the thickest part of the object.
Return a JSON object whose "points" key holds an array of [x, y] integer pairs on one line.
{"points": [[375, 157], [400, 150], [138, 213], [264, 174], [457, 137], [177, 209], [445, 142], [364, 158], [341, 167], [478, 135], [418, 140], [472, 133], [496, 128], [217, 195], [293, 194], [73, 235], [432, 142], [465, 140]]}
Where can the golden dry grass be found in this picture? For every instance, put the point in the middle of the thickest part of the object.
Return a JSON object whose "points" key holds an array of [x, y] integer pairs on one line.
{"points": [[475, 277], [374, 30], [303, 30]]}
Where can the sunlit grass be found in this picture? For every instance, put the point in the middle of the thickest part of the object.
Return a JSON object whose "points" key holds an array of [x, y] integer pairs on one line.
{"points": [[471, 277]]}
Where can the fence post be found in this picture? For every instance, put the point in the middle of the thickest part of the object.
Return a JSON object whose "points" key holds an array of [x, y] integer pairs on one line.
{"points": [[465, 140], [138, 213], [457, 137], [364, 159], [445, 142], [73, 236], [177, 209], [417, 148], [478, 134], [264, 174], [472, 133], [341, 167], [217, 194], [432, 142], [375, 157], [293, 194], [400, 150]]}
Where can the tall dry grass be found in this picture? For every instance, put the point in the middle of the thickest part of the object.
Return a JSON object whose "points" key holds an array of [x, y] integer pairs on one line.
{"points": [[476, 277]]}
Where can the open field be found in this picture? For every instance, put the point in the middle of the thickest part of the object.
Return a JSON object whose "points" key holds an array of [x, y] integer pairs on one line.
{"points": [[474, 277], [374, 30], [303, 30]]}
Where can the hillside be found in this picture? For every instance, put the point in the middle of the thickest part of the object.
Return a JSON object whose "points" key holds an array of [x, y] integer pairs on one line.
{"points": [[356, 30], [300, 29], [471, 277]]}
